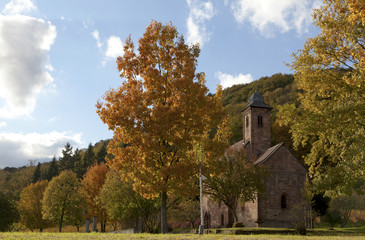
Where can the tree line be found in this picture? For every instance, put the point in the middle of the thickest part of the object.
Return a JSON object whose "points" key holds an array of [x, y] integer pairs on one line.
{"points": [[66, 199], [167, 126]]}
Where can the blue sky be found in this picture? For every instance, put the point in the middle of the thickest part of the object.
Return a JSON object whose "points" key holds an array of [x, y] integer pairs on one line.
{"points": [[57, 58]]}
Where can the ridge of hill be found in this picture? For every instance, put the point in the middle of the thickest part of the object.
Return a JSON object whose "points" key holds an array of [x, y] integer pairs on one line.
{"points": [[277, 90]]}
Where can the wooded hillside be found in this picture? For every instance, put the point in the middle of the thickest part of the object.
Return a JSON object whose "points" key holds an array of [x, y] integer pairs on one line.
{"points": [[277, 89]]}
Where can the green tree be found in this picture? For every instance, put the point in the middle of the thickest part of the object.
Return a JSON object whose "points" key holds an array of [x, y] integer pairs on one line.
{"points": [[79, 168], [101, 154], [63, 200], [89, 157], [66, 161], [8, 212], [124, 204], [30, 206], [329, 118], [161, 111], [186, 210], [19, 180], [240, 180], [344, 206], [52, 170], [37, 174]]}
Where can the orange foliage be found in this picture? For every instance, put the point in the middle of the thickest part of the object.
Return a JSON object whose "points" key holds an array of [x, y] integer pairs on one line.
{"points": [[92, 183], [161, 112]]}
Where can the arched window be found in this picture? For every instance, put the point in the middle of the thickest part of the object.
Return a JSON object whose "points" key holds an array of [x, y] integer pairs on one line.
{"points": [[222, 220], [283, 200], [247, 121], [259, 121]]}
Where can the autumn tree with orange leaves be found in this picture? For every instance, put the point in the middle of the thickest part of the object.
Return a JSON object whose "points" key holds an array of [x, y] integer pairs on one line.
{"points": [[160, 113], [92, 183]]}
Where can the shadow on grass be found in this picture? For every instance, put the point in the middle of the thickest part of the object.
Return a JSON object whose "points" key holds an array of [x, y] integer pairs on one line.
{"points": [[350, 231]]}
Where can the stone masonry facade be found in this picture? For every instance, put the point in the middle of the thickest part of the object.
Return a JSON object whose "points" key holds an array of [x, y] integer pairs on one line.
{"points": [[283, 186]]}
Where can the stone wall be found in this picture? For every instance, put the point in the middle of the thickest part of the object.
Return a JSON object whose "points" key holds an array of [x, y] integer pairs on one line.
{"points": [[219, 214], [286, 182], [213, 212]]}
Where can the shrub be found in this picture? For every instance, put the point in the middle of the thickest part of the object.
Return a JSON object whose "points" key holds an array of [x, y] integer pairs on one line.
{"points": [[301, 230], [332, 217], [238, 224]]}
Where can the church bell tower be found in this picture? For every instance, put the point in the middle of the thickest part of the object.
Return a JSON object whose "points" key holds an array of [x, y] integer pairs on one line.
{"points": [[256, 125]]}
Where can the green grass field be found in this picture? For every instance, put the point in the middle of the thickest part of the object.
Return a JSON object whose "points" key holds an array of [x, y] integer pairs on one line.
{"points": [[224, 233], [255, 233], [84, 236]]}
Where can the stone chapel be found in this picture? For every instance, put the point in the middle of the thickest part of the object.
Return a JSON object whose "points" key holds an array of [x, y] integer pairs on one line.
{"points": [[283, 186]]}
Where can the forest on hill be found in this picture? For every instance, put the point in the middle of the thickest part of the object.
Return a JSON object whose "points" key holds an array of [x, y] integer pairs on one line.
{"points": [[277, 90], [13, 180]]}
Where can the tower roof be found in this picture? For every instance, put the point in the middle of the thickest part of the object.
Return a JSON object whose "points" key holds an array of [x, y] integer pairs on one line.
{"points": [[257, 100]]}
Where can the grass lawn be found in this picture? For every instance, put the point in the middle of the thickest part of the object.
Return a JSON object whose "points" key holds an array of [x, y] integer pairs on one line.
{"points": [[225, 234], [84, 236]]}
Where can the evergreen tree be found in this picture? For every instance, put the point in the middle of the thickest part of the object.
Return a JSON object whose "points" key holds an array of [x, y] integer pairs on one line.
{"points": [[37, 174], [100, 156], [66, 161], [79, 168], [52, 170], [89, 157]]}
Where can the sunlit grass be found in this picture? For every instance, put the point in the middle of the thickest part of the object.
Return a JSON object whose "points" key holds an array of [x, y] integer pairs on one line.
{"points": [[224, 234], [84, 236]]}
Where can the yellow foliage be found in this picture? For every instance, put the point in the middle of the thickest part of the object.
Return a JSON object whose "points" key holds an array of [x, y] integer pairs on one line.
{"points": [[329, 72]]}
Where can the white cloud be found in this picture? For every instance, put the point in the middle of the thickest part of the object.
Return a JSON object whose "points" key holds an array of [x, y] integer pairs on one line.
{"points": [[227, 80], [96, 36], [17, 149], [15, 7], [200, 13], [2, 124], [114, 47], [24, 62], [271, 16]]}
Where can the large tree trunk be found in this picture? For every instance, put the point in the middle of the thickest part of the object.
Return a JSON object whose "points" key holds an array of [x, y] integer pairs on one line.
{"points": [[103, 225], [232, 208], [234, 214], [61, 220], [163, 212]]}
